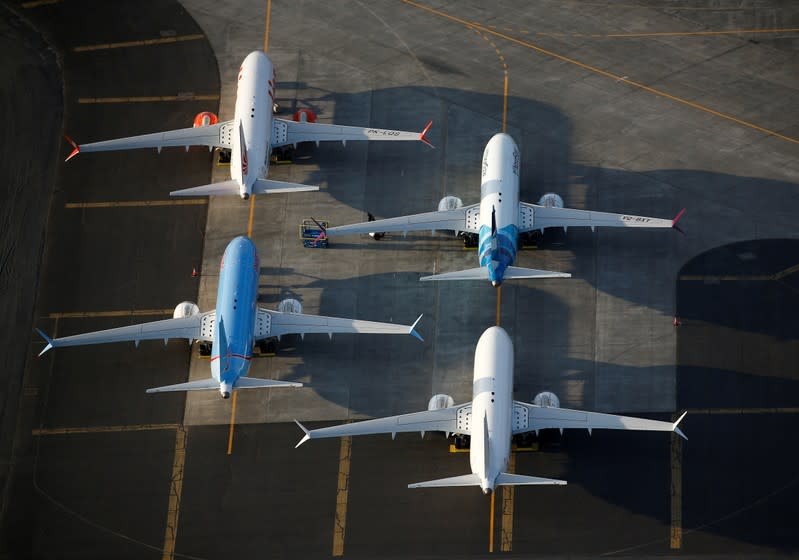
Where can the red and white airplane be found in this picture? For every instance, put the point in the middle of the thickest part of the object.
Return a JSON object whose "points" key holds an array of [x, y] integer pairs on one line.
{"points": [[250, 136]]}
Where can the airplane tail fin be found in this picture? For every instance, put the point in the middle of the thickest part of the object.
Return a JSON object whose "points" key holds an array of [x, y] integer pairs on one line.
{"points": [[463, 480], [481, 273], [267, 186], [508, 479]]}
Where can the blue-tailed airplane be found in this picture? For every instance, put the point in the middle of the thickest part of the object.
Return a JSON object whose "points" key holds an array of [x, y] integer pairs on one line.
{"points": [[233, 328], [499, 218]]}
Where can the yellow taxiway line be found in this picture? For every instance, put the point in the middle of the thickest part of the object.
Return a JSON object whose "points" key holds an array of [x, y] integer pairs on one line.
{"points": [[342, 493], [508, 493], [37, 3], [143, 43], [233, 399], [675, 537], [491, 522], [175, 493], [599, 71], [499, 303], [147, 99], [138, 203]]}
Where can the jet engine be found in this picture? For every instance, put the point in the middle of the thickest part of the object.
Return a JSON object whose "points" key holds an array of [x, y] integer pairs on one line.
{"points": [[304, 115], [289, 306], [449, 203], [185, 309], [551, 200], [206, 118], [437, 402], [547, 399]]}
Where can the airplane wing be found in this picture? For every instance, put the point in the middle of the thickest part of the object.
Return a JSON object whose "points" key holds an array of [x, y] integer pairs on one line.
{"points": [[270, 323], [194, 327], [214, 136], [533, 216], [530, 417], [466, 218], [441, 420], [285, 132]]}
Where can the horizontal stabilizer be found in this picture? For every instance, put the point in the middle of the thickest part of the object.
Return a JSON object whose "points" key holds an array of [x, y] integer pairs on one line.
{"points": [[255, 383], [267, 186], [481, 273], [214, 189], [199, 385], [508, 479], [463, 480], [517, 272]]}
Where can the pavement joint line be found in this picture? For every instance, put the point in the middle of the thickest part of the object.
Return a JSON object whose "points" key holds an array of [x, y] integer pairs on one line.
{"points": [[141, 43], [103, 429], [120, 313], [175, 493], [675, 537], [138, 203], [37, 3], [508, 493], [147, 99], [605, 73], [695, 33], [342, 493]]}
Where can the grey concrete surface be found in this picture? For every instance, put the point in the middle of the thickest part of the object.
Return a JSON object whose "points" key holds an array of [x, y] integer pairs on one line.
{"points": [[602, 340], [31, 107]]}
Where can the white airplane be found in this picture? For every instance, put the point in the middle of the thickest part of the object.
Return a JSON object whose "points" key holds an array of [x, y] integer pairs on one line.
{"points": [[491, 419], [250, 136], [499, 218], [233, 328]]}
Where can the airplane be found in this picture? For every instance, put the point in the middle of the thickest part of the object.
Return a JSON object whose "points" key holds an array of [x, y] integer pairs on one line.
{"points": [[250, 136], [233, 328], [499, 218], [491, 419]]}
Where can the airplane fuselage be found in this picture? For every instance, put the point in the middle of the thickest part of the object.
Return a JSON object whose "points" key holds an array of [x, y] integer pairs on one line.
{"points": [[499, 206], [492, 406], [249, 158], [236, 306]]}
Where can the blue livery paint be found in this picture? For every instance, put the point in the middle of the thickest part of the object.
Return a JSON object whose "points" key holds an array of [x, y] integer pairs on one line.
{"points": [[498, 252], [236, 306]]}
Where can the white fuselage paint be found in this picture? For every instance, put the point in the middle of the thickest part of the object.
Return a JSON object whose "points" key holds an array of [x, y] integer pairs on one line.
{"points": [[499, 196], [252, 121], [492, 404]]}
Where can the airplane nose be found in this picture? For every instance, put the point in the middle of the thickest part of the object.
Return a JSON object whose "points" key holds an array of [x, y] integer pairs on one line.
{"points": [[496, 283], [245, 195], [487, 491], [226, 394]]}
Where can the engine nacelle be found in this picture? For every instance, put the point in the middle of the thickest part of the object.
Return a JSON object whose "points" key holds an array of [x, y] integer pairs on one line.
{"points": [[437, 402], [185, 309], [289, 306], [206, 118], [304, 115], [551, 200], [449, 203], [547, 399]]}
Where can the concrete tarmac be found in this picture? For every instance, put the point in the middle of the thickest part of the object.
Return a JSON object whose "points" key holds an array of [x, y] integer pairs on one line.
{"points": [[603, 340]]}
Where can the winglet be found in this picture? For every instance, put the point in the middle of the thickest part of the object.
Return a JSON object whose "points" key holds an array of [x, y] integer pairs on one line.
{"points": [[75, 148], [677, 430], [307, 434], [423, 134], [413, 328], [676, 219], [47, 339]]}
